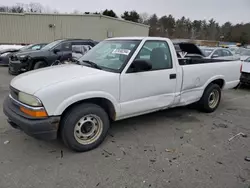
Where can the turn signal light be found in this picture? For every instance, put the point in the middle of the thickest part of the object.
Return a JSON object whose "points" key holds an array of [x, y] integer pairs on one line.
{"points": [[34, 113]]}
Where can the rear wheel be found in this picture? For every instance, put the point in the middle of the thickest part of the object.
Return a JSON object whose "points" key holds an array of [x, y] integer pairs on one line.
{"points": [[210, 100], [84, 127], [39, 64]]}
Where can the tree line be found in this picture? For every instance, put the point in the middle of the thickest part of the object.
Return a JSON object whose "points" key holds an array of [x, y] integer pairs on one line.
{"points": [[165, 26]]}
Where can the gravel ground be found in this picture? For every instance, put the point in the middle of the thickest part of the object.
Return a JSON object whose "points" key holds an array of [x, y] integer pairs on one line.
{"points": [[177, 148]]}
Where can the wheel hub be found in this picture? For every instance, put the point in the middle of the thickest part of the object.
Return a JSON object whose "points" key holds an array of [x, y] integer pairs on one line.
{"points": [[88, 129], [213, 99]]}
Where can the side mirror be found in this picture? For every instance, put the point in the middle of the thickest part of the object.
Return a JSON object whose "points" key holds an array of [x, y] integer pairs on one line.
{"points": [[215, 55], [56, 50], [141, 65]]}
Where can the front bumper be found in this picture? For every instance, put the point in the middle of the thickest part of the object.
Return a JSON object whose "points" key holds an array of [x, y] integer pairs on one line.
{"points": [[45, 129], [16, 67]]}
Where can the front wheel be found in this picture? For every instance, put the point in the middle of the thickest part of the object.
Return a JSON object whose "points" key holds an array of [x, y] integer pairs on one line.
{"points": [[84, 127], [39, 64], [12, 73], [210, 99]]}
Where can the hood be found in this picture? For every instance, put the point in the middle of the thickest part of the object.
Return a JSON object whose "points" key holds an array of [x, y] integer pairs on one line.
{"points": [[8, 50], [32, 81], [243, 58], [29, 52]]}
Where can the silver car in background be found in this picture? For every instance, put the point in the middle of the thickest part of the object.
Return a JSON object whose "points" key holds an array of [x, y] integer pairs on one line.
{"points": [[219, 53], [245, 54]]}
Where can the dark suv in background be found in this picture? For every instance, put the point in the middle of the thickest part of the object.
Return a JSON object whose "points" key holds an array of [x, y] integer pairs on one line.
{"points": [[6, 53], [59, 50]]}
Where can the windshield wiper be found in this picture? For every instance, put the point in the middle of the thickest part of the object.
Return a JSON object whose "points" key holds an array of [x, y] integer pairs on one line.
{"points": [[92, 64], [76, 61]]}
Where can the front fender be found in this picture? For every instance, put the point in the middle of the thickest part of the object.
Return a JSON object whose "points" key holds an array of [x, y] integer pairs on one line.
{"points": [[83, 96]]}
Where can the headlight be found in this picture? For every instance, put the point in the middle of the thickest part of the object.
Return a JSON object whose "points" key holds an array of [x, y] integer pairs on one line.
{"points": [[23, 57], [29, 99], [4, 54]]}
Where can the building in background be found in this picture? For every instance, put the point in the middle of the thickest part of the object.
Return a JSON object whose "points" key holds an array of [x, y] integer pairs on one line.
{"points": [[33, 28]]}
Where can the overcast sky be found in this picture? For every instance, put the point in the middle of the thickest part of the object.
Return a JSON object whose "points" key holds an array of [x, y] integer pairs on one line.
{"points": [[235, 11]]}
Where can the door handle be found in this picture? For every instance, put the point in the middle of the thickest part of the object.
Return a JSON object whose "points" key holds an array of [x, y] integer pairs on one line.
{"points": [[172, 76]]}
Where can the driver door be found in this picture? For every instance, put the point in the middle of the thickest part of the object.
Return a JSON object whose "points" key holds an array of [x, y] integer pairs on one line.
{"points": [[142, 92], [62, 52]]}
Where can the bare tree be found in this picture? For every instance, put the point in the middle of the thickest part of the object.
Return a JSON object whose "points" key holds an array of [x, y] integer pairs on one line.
{"points": [[144, 18]]}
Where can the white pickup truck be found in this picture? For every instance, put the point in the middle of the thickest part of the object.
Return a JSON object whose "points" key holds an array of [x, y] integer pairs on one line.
{"points": [[117, 79]]}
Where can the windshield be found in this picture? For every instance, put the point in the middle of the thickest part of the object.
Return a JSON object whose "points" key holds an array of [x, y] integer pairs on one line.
{"points": [[111, 54], [234, 49], [245, 53], [207, 51], [26, 47], [51, 45]]}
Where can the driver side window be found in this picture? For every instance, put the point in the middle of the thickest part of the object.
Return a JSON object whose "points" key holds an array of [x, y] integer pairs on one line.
{"points": [[217, 53], [37, 47], [227, 53], [157, 53], [64, 47]]}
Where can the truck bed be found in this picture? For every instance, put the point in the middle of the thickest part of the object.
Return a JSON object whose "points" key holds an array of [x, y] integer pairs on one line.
{"points": [[190, 54], [195, 60]]}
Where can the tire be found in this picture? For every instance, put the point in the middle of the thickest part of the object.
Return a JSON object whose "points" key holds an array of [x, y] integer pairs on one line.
{"points": [[213, 91], [74, 125], [12, 73], [39, 64]]}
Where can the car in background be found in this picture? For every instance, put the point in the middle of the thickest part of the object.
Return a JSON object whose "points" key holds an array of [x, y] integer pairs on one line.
{"points": [[245, 72], [79, 50], [219, 53], [245, 54], [10, 46], [59, 50], [6, 53], [234, 49]]}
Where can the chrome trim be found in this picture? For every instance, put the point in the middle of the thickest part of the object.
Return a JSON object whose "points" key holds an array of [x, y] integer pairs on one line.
{"points": [[25, 105]]}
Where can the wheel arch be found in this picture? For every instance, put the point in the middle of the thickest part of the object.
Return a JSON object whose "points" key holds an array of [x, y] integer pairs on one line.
{"points": [[106, 104], [35, 60], [219, 80], [105, 100]]}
